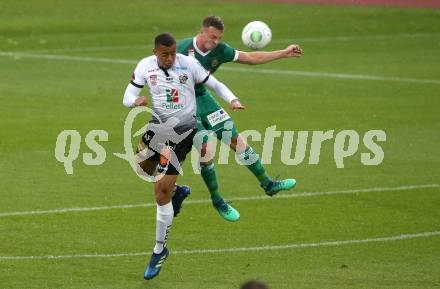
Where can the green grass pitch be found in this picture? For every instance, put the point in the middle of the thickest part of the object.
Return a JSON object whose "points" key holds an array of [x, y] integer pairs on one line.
{"points": [[65, 65]]}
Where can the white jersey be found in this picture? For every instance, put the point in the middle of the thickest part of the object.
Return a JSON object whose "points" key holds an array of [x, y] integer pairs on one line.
{"points": [[172, 90]]}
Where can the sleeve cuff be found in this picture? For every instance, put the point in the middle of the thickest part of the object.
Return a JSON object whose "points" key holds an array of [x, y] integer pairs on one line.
{"points": [[136, 85], [236, 55]]}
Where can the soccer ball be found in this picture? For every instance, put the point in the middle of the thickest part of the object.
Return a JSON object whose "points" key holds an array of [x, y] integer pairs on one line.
{"points": [[256, 35]]}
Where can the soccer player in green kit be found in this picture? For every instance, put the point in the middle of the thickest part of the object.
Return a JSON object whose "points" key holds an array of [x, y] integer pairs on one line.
{"points": [[207, 47]]}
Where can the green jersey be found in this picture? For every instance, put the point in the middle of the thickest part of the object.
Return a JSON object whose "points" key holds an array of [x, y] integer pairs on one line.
{"points": [[211, 116], [210, 60]]}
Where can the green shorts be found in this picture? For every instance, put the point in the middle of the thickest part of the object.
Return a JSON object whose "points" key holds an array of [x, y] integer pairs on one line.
{"points": [[211, 117]]}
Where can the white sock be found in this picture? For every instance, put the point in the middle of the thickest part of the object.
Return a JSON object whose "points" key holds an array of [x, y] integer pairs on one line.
{"points": [[164, 218]]}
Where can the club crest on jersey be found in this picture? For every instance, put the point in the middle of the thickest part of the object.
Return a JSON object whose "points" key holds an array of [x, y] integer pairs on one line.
{"points": [[183, 78], [153, 79], [214, 63]]}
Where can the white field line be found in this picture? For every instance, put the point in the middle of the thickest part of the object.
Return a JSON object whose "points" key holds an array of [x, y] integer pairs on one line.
{"points": [[238, 249], [66, 57], [285, 40], [332, 75], [232, 69], [91, 48], [356, 38], [237, 199]]}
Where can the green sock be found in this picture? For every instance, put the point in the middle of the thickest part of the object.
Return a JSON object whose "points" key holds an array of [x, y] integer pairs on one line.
{"points": [[208, 175], [257, 167]]}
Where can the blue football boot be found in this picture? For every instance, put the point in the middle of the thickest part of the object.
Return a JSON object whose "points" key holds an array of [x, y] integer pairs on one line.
{"points": [[155, 264], [180, 194]]}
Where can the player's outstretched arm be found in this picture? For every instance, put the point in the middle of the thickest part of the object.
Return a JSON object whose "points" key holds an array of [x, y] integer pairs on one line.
{"points": [[224, 92], [132, 98], [261, 57]]}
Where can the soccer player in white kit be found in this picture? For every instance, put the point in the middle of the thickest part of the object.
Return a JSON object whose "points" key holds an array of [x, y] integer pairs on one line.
{"points": [[170, 78]]}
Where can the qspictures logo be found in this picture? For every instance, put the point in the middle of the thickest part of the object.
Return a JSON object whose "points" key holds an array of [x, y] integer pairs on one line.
{"points": [[346, 144]]}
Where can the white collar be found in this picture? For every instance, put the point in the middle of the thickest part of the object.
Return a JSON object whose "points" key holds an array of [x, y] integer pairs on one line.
{"points": [[197, 48]]}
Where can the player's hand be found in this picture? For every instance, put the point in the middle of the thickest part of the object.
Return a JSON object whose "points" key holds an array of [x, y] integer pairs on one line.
{"points": [[235, 104], [141, 101], [293, 50]]}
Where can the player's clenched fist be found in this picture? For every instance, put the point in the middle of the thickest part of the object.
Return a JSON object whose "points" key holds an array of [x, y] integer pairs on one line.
{"points": [[141, 101], [293, 50], [235, 104]]}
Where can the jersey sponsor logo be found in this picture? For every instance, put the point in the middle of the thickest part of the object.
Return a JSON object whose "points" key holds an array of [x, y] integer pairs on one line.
{"points": [[179, 68], [217, 117], [153, 79], [172, 95], [172, 99], [166, 105], [183, 78]]}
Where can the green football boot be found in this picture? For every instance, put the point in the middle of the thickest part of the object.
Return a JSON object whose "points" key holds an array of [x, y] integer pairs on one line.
{"points": [[226, 211], [275, 186]]}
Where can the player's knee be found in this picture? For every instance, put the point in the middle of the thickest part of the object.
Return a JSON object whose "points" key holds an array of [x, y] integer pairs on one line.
{"points": [[206, 153], [204, 150], [238, 144]]}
